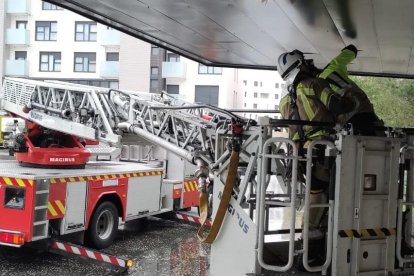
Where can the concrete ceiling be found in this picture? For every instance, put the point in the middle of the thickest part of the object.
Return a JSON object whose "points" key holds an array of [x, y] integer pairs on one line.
{"points": [[253, 33]]}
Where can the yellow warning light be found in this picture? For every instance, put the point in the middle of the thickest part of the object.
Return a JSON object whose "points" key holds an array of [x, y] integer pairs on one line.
{"points": [[129, 263]]}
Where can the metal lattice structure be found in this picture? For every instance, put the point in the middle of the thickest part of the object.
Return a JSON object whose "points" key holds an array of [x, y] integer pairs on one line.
{"points": [[189, 130]]}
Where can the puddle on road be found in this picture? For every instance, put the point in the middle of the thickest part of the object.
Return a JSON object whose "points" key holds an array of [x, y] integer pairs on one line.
{"points": [[161, 247]]}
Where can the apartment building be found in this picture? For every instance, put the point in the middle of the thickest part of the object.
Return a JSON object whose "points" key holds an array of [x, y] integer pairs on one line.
{"points": [[43, 41]]}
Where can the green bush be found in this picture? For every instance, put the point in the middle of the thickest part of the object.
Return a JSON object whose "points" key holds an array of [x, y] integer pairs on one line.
{"points": [[393, 99]]}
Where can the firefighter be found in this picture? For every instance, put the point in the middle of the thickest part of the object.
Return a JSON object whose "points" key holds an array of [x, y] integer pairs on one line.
{"points": [[310, 98], [362, 118]]}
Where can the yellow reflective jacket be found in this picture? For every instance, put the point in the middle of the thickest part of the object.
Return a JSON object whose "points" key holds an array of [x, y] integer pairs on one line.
{"points": [[336, 73], [313, 97]]}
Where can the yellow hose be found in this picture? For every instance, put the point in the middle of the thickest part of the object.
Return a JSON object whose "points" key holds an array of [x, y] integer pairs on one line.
{"points": [[224, 203]]}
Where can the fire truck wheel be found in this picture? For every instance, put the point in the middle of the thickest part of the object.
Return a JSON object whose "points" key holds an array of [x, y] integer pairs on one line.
{"points": [[104, 225]]}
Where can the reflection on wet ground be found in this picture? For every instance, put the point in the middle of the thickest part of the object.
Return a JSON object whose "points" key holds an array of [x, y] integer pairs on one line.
{"points": [[157, 247], [165, 248]]}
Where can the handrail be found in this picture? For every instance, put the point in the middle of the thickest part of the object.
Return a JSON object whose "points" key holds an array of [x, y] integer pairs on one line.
{"points": [[307, 207], [261, 187]]}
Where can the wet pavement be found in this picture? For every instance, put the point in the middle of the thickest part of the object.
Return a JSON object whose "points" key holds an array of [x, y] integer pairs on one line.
{"points": [[157, 247]]}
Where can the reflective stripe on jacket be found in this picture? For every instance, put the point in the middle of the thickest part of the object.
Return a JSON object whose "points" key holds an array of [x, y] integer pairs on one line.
{"points": [[313, 95]]}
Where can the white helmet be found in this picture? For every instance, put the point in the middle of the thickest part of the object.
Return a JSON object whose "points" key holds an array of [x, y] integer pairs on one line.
{"points": [[288, 62]]}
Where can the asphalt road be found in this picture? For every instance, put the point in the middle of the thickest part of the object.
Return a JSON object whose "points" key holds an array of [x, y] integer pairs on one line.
{"points": [[157, 247]]}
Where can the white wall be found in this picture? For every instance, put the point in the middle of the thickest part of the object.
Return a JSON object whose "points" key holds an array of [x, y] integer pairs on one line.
{"points": [[2, 32], [65, 43], [134, 60]]}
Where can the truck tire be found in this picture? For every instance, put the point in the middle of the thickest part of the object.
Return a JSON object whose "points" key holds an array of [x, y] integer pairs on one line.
{"points": [[103, 226]]}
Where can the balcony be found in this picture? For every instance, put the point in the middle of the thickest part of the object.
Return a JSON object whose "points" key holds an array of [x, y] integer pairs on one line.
{"points": [[109, 69], [18, 6], [17, 37], [176, 70], [110, 38], [17, 68]]}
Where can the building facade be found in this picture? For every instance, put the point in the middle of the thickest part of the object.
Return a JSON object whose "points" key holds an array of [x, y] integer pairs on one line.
{"points": [[43, 41]]}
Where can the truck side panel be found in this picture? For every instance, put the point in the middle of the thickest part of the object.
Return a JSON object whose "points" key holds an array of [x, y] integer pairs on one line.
{"points": [[98, 188], [16, 213]]}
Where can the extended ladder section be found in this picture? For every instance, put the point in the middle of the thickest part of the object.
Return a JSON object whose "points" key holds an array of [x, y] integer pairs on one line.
{"points": [[188, 130]]}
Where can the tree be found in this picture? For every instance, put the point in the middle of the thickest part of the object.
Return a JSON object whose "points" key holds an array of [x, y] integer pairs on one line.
{"points": [[393, 99]]}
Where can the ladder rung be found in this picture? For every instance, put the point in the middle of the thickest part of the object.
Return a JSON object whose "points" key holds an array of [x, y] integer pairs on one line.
{"points": [[40, 222], [42, 192], [41, 207]]}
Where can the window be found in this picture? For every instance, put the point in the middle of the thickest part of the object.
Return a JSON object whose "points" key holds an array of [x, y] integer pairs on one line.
{"points": [[85, 31], [276, 85], [20, 55], [264, 95], [173, 89], [255, 106], [255, 83], [276, 107], [245, 93], [245, 82], [260, 84], [283, 86], [276, 96], [46, 30], [171, 57], [255, 94], [202, 69], [244, 104], [207, 94], [154, 86], [85, 62], [155, 51], [50, 61], [112, 56], [99, 83], [21, 24], [48, 6], [154, 72]]}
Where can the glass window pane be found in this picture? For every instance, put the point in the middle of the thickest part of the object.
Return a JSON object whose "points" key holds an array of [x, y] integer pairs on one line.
{"points": [[43, 58], [53, 36], [114, 84], [53, 26], [79, 27], [79, 36], [78, 67], [57, 67], [92, 37], [93, 28], [43, 67], [92, 68], [202, 69]]}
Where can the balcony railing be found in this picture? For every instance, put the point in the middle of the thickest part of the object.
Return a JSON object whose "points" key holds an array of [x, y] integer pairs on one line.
{"points": [[17, 68], [109, 69], [18, 6], [17, 37], [174, 70], [110, 37]]}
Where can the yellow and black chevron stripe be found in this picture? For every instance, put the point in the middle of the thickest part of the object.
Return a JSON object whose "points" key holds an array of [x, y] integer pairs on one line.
{"points": [[103, 177], [367, 232]]}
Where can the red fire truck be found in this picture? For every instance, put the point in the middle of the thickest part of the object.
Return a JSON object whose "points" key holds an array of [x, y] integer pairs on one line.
{"points": [[90, 199]]}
